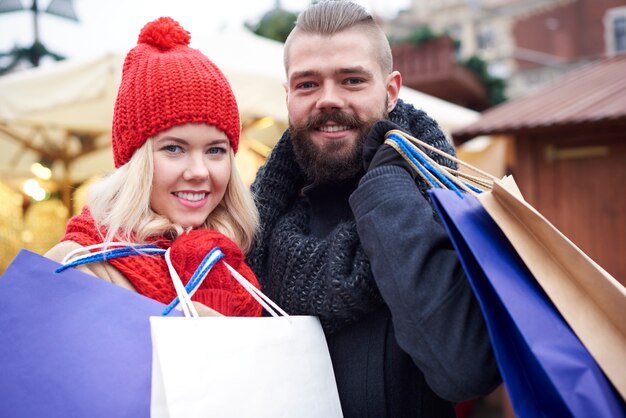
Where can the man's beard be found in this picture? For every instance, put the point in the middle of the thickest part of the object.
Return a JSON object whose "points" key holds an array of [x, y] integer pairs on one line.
{"points": [[328, 165]]}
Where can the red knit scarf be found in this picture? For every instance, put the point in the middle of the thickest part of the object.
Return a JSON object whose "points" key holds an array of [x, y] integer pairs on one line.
{"points": [[150, 276]]}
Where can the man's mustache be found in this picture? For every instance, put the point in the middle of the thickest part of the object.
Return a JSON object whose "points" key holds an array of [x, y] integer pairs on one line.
{"points": [[336, 116]]}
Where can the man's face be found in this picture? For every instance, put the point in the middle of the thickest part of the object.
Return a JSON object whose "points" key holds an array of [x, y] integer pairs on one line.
{"points": [[336, 91]]}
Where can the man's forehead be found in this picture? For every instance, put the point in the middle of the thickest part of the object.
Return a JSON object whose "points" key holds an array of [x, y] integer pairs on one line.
{"points": [[349, 35], [310, 54], [318, 72], [310, 41]]}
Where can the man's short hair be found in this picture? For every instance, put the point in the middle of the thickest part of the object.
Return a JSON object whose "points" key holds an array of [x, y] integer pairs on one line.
{"points": [[330, 17]]}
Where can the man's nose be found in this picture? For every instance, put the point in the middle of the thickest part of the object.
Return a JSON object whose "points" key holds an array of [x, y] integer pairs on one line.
{"points": [[330, 97]]}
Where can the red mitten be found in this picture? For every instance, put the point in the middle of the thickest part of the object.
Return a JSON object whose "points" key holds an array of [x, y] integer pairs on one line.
{"points": [[219, 290]]}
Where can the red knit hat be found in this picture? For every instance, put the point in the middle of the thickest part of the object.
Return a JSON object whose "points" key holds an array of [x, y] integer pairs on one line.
{"points": [[166, 83]]}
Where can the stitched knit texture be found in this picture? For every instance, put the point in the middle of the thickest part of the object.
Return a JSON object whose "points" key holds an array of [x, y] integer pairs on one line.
{"points": [[328, 277], [166, 83], [150, 276], [224, 292]]}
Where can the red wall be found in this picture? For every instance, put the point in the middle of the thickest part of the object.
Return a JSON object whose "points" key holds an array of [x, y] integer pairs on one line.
{"points": [[579, 30]]}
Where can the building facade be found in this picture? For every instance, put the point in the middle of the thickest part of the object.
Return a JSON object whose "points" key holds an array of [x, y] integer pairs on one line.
{"points": [[527, 42]]}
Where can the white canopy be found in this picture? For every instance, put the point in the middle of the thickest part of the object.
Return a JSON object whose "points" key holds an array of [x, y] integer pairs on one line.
{"points": [[63, 111]]}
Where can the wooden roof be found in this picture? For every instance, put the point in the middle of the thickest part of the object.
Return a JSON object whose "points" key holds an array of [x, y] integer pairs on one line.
{"points": [[594, 94]]}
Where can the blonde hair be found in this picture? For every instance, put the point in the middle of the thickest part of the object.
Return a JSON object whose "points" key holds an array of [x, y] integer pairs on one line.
{"points": [[121, 203], [331, 17]]}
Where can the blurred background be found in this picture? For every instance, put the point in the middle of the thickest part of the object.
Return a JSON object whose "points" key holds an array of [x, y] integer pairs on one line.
{"points": [[533, 88]]}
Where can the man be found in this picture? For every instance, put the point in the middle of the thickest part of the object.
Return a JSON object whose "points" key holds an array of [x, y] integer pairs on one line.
{"points": [[362, 248]]}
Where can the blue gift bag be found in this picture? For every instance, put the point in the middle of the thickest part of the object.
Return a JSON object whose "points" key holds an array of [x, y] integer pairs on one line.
{"points": [[548, 372], [72, 345]]}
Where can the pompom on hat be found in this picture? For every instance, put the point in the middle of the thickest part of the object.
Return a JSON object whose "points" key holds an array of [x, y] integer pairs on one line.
{"points": [[166, 83]]}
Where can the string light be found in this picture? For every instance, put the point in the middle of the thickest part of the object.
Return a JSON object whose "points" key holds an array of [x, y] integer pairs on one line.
{"points": [[33, 189], [41, 171]]}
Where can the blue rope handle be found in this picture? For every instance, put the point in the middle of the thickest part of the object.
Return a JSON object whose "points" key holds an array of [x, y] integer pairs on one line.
{"points": [[439, 174], [424, 165], [409, 152], [196, 279], [203, 269], [427, 168], [113, 253]]}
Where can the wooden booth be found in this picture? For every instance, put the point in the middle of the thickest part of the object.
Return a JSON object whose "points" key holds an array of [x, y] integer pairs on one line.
{"points": [[568, 156]]}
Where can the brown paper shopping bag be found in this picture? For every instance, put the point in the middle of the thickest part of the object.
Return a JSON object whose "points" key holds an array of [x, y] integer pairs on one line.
{"points": [[591, 301]]}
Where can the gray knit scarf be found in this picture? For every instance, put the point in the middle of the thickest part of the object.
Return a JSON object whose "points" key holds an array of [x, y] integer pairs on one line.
{"points": [[305, 275]]}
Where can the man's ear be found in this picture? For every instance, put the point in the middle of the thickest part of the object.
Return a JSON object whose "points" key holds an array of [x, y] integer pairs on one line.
{"points": [[393, 84], [286, 87]]}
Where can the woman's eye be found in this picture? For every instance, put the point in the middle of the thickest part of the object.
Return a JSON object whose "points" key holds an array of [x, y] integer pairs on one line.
{"points": [[174, 149], [217, 150]]}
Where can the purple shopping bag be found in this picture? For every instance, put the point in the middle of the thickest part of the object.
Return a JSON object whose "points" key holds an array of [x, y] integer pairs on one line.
{"points": [[72, 345], [547, 370]]}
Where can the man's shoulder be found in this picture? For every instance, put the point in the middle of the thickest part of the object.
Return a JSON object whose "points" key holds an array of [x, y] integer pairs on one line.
{"points": [[419, 124]]}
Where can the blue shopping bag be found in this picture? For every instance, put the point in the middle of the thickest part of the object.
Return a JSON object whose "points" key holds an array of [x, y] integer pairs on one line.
{"points": [[72, 345], [547, 370]]}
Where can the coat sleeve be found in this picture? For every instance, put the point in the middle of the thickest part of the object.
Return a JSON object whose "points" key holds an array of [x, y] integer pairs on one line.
{"points": [[436, 318]]}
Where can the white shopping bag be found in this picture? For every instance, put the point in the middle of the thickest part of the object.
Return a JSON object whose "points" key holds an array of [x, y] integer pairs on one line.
{"points": [[241, 367]]}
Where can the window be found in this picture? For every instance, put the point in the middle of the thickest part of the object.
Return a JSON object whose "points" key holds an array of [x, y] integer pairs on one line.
{"points": [[619, 33], [486, 39], [615, 30]]}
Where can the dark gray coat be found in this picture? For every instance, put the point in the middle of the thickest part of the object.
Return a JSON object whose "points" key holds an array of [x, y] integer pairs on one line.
{"points": [[405, 333]]}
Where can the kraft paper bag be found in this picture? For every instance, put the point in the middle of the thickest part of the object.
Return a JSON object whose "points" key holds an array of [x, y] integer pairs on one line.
{"points": [[72, 345], [547, 370], [592, 302]]}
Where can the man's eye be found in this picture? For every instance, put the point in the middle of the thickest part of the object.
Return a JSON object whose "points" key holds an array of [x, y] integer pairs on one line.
{"points": [[353, 81], [306, 85]]}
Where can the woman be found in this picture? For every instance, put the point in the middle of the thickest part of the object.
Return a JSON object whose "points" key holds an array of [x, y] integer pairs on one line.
{"points": [[175, 133]]}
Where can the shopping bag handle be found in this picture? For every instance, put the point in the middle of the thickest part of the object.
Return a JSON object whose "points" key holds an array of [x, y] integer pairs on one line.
{"points": [[184, 298], [71, 259], [434, 174], [184, 293], [196, 279], [259, 296], [129, 249]]}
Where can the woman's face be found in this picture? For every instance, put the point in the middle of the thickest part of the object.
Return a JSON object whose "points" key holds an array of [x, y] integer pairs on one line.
{"points": [[192, 167]]}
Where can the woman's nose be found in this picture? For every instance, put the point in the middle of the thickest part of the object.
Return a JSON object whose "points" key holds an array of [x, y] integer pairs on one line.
{"points": [[196, 168]]}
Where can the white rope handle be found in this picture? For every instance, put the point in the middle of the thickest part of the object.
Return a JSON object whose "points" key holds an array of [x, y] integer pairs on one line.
{"points": [[259, 296], [184, 299], [68, 257]]}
